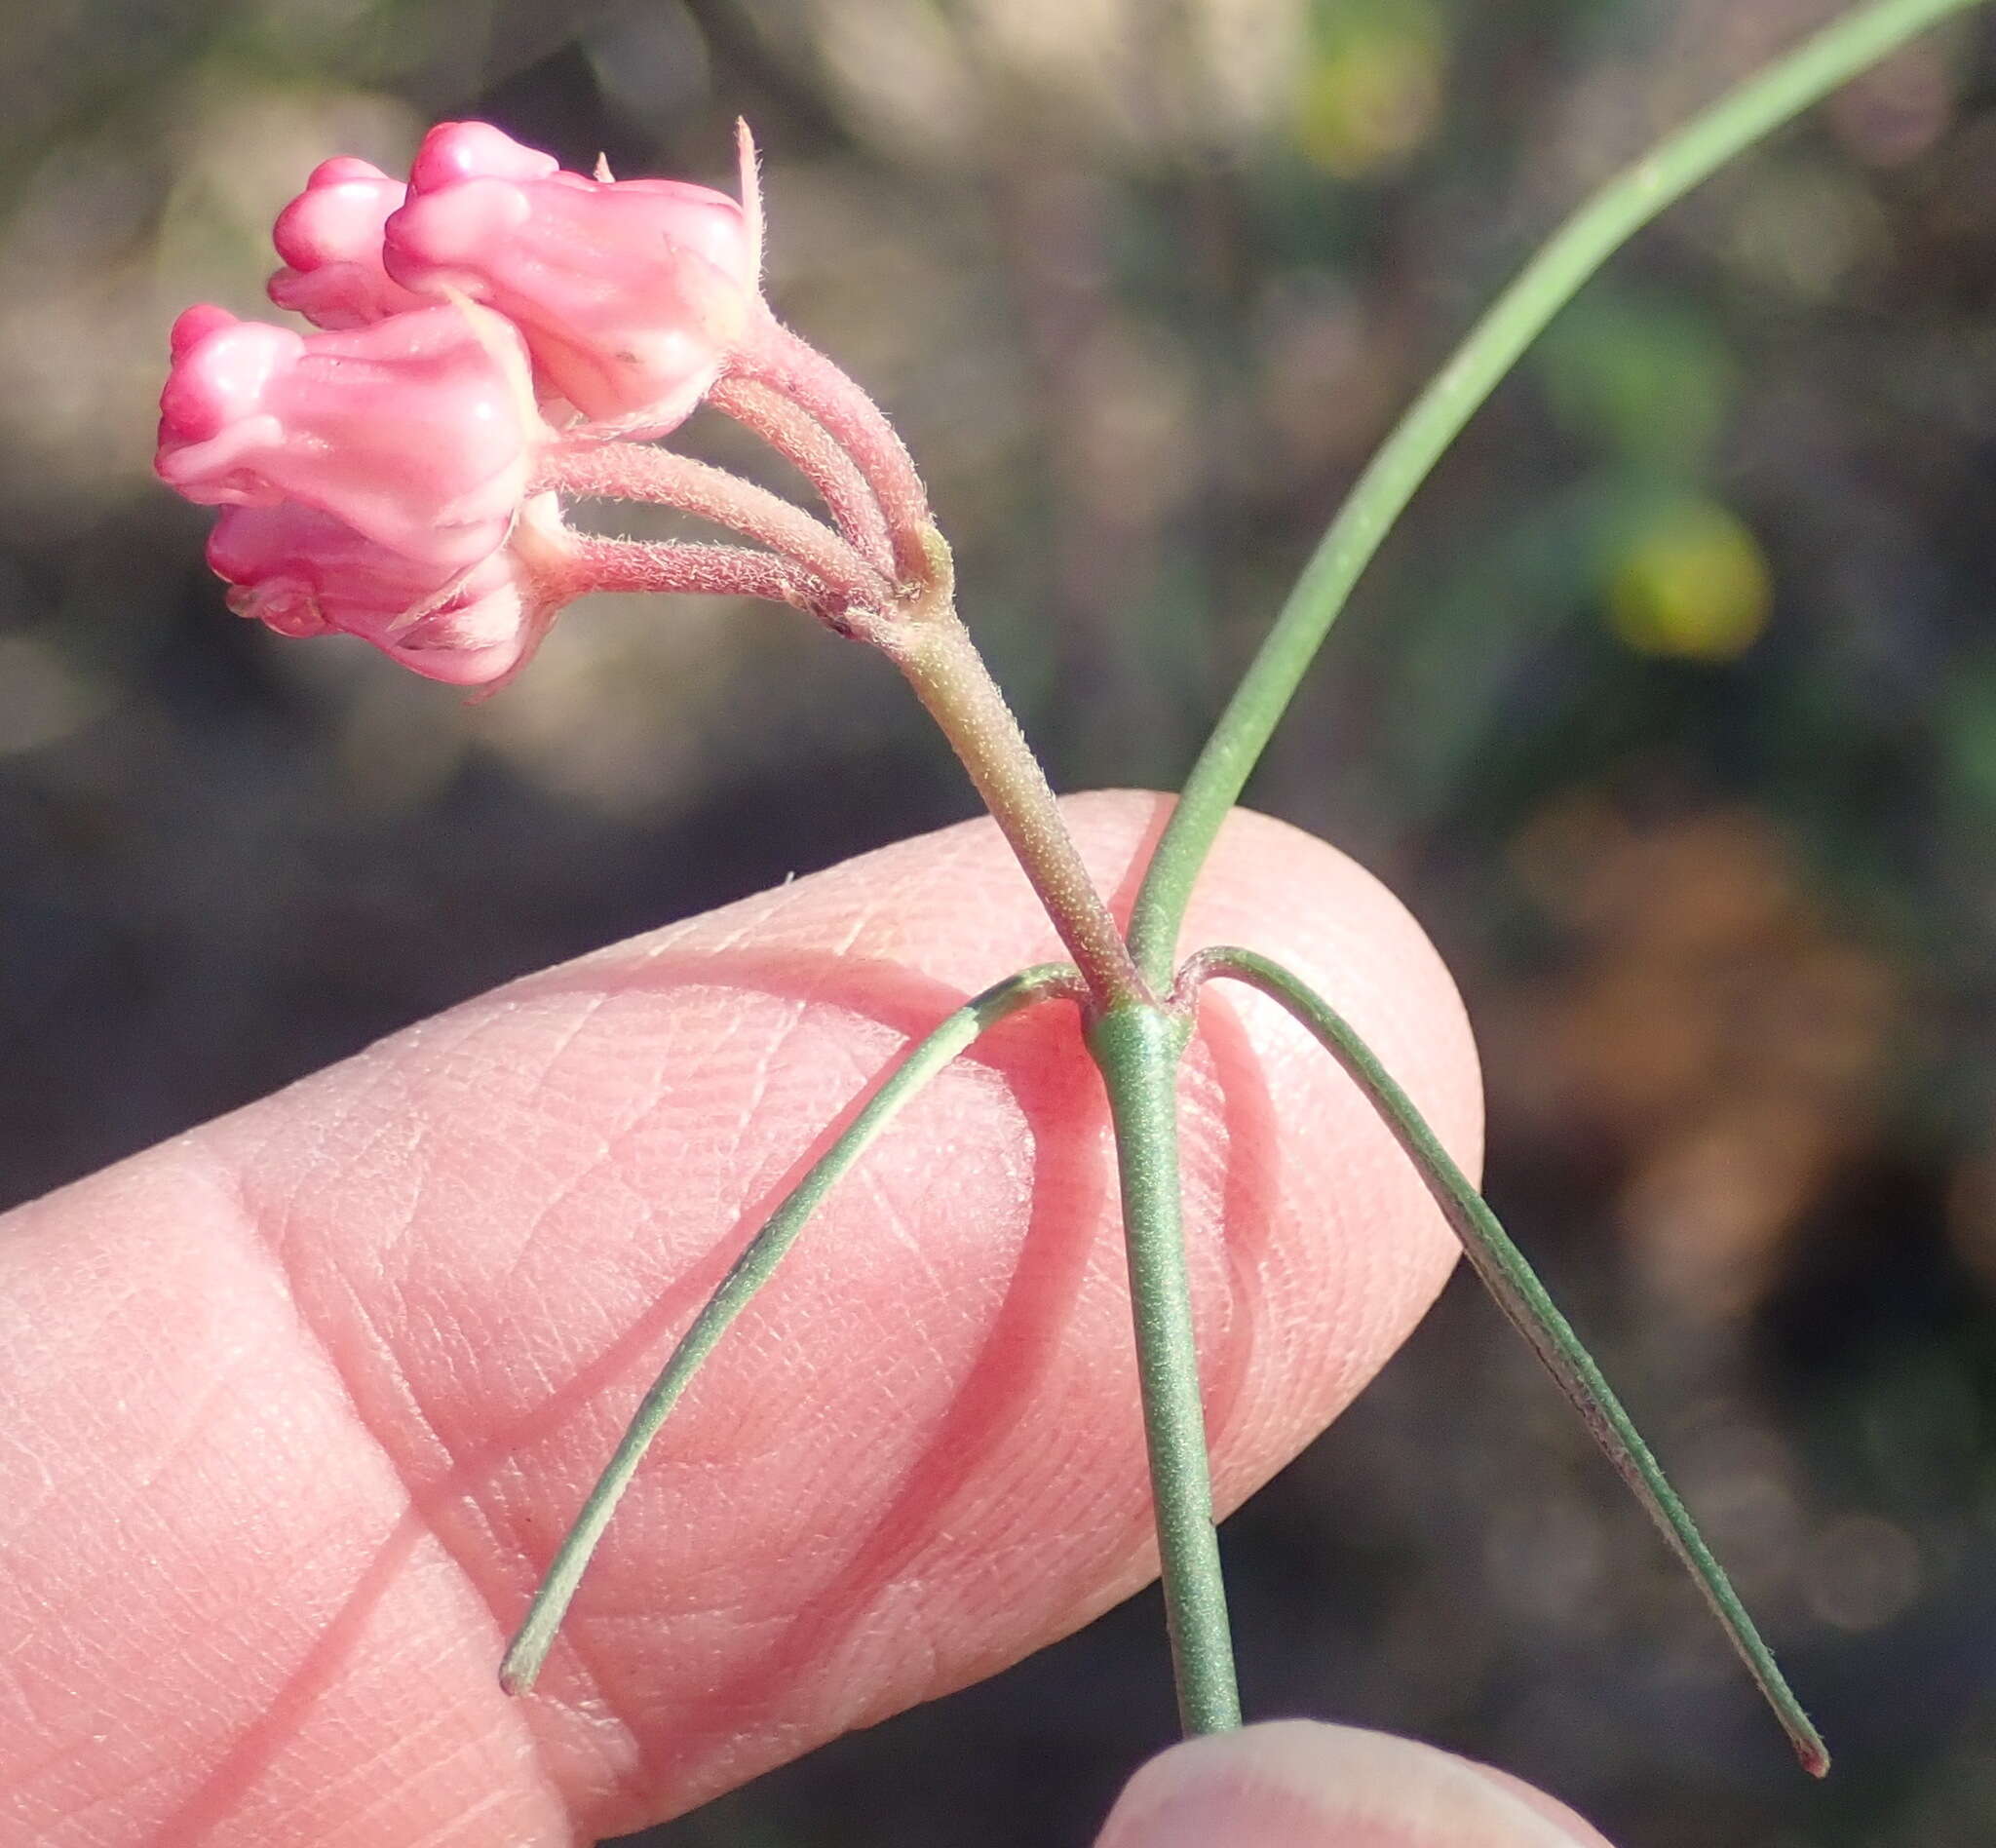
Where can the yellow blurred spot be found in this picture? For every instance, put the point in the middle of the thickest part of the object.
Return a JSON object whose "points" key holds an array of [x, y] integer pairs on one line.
{"points": [[1368, 102], [1694, 585]]}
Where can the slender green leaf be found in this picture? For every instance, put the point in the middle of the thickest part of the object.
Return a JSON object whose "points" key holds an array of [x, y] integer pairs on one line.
{"points": [[748, 1273], [1579, 247], [1510, 1279]]}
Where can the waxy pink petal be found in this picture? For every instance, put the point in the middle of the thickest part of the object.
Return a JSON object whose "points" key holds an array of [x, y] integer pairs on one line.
{"points": [[454, 151], [630, 294], [418, 430], [330, 238], [303, 573]]}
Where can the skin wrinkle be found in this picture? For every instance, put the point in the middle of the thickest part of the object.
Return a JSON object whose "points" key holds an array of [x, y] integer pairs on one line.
{"points": [[1246, 1220], [586, 1015], [608, 1146], [24, 1509], [931, 892], [891, 1213], [114, 1799], [61, 1758], [758, 1083], [1350, 1210], [374, 1791], [866, 1175], [534, 1234], [804, 1003], [399, 1237], [187, 1420], [131, 1784], [366, 1317], [207, 1805], [460, 1827], [342, 1117]]}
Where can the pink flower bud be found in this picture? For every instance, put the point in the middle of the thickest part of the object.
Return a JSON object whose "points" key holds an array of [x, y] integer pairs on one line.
{"points": [[418, 432], [453, 151], [330, 238], [630, 294], [304, 573]]}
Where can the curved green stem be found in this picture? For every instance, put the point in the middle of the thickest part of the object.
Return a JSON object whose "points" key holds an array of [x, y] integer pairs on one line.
{"points": [[1510, 1279], [1622, 207], [1137, 1048], [748, 1273]]}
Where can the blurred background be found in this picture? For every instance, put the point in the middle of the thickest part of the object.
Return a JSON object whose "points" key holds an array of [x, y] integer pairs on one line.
{"points": [[1670, 709]]}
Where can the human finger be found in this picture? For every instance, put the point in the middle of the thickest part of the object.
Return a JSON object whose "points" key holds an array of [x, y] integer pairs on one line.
{"points": [[304, 1399]]}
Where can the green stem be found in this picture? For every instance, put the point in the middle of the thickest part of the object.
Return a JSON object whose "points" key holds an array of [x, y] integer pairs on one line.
{"points": [[1510, 1279], [748, 1273], [1626, 203], [1137, 1048]]}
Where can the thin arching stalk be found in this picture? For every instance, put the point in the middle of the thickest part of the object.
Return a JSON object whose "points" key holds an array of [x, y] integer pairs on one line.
{"points": [[737, 1289], [1511, 1280], [1579, 247]]}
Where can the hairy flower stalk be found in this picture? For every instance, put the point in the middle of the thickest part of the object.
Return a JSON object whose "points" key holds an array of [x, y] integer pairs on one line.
{"points": [[799, 375], [699, 570], [498, 337], [636, 471], [936, 654], [805, 443]]}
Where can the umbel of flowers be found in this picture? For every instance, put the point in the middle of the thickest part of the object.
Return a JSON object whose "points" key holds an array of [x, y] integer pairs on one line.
{"points": [[493, 334]]}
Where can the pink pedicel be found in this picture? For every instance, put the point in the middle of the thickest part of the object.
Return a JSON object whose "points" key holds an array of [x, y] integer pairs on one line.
{"points": [[330, 238], [304, 573], [630, 294], [418, 432]]}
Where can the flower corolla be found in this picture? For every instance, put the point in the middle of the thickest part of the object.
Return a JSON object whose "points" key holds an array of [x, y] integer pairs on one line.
{"points": [[386, 476], [304, 573], [630, 294], [330, 238], [416, 430]]}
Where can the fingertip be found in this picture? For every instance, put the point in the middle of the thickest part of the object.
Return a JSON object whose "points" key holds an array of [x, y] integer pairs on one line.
{"points": [[1298, 1784]]}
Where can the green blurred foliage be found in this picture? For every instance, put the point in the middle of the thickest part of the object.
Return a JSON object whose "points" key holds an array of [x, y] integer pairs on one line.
{"points": [[1671, 711]]}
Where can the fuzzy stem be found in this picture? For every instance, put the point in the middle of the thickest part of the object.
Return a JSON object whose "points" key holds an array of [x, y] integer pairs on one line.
{"points": [[1138, 1049], [636, 471], [777, 357], [804, 441], [936, 654], [596, 563], [737, 1289], [1510, 1279], [1579, 247]]}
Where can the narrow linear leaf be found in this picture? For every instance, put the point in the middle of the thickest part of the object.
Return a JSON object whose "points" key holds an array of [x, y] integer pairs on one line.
{"points": [[1510, 1279], [1598, 228], [923, 1062]]}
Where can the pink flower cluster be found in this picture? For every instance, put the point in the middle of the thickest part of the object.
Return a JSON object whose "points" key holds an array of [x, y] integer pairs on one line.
{"points": [[379, 477]]}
